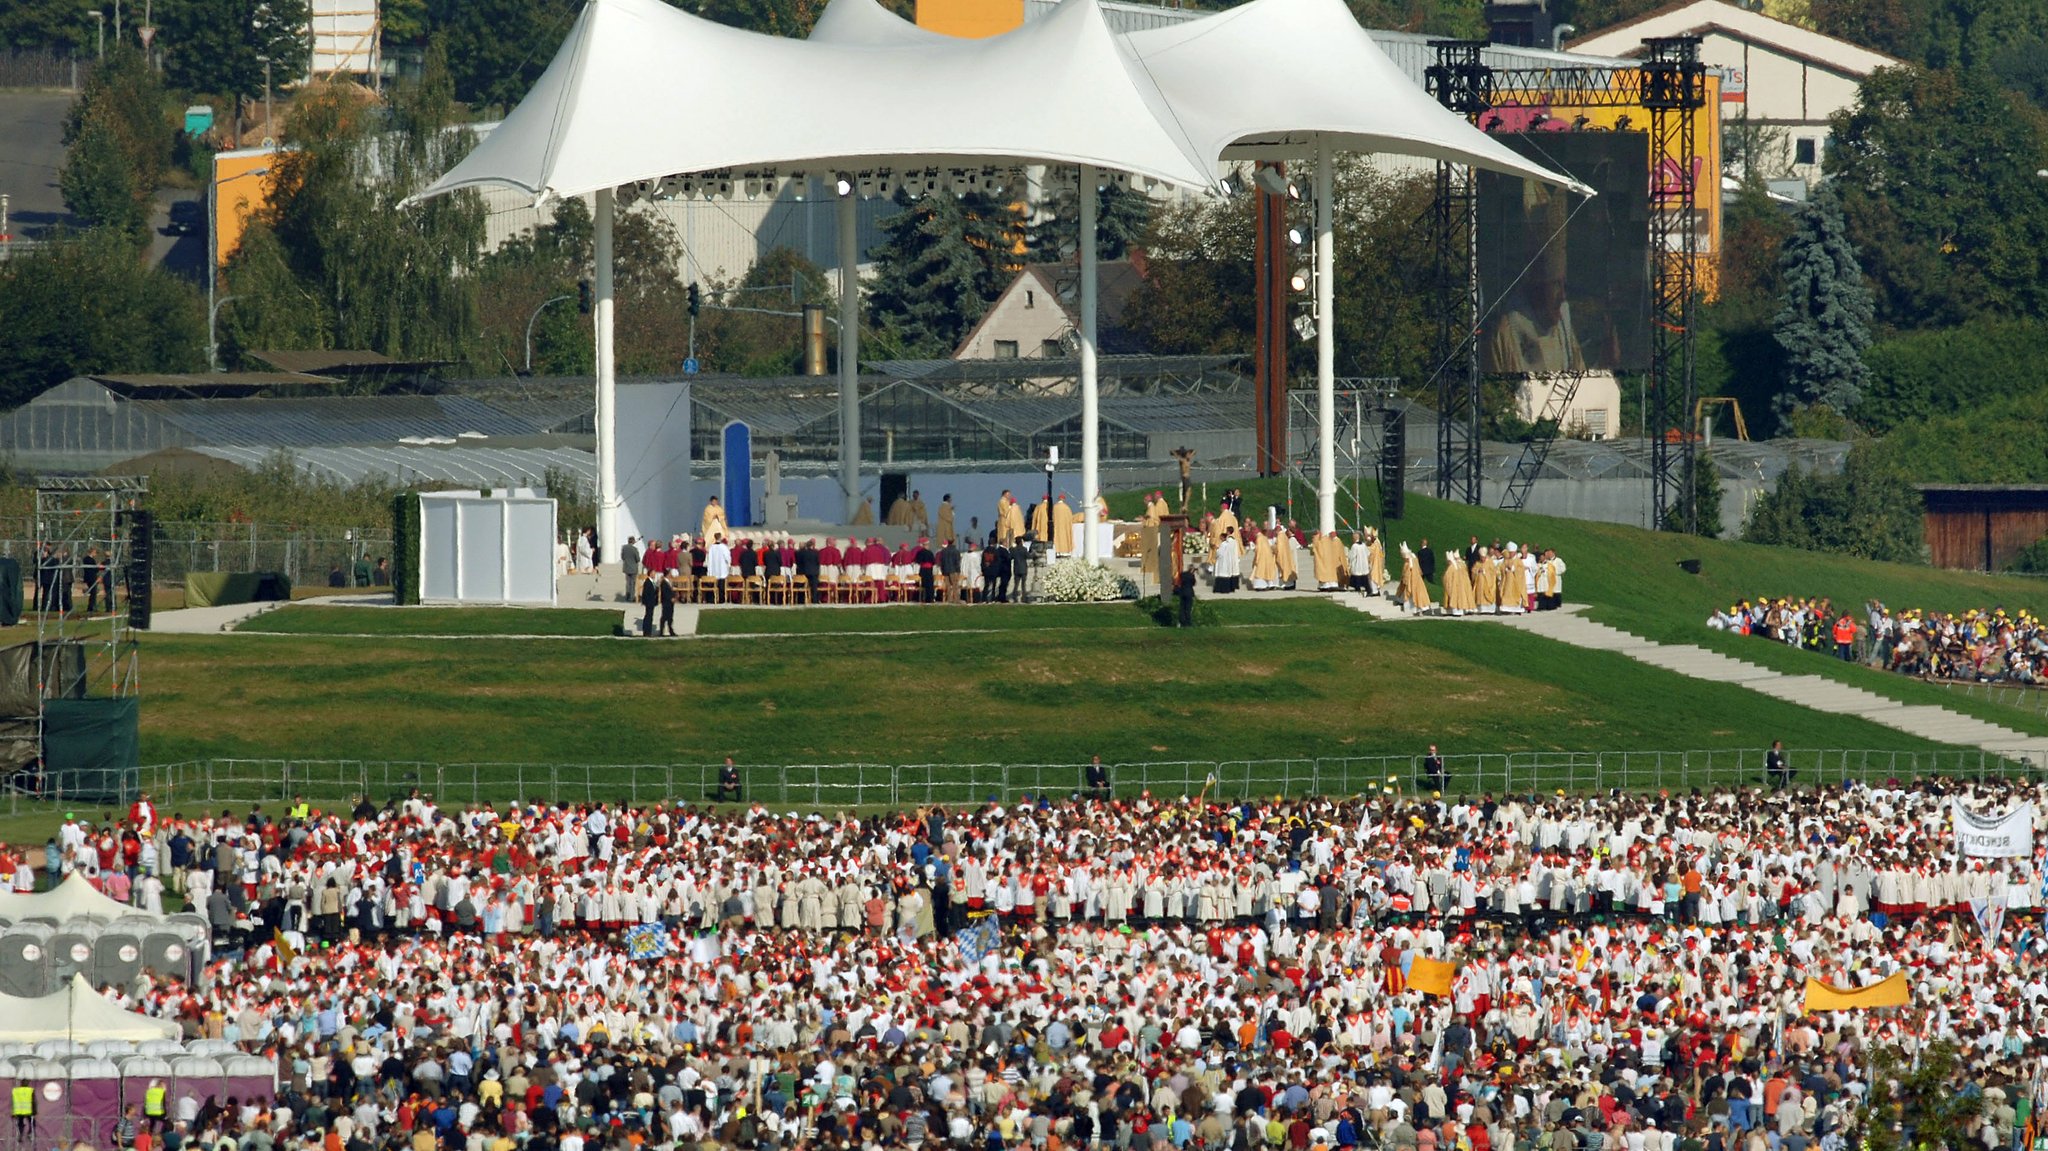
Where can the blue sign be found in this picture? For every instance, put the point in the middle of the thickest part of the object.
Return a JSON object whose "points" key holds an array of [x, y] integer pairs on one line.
{"points": [[739, 474], [690, 366]]}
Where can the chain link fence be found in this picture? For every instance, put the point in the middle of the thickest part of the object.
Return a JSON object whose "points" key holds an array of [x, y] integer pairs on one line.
{"points": [[39, 70], [307, 555], [213, 783]]}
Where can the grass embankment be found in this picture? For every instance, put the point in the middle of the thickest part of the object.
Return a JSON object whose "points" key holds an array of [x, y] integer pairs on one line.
{"points": [[1312, 679], [1632, 579], [434, 621]]}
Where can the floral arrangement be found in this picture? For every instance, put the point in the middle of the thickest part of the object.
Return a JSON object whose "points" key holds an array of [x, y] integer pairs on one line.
{"points": [[1194, 547], [1077, 581]]}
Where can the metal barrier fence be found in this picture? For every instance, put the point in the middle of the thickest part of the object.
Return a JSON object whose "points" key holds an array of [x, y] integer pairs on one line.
{"points": [[39, 70], [2030, 699], [278, 781]]}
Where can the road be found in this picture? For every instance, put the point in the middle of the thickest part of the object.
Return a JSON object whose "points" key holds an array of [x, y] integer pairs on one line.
{"points": [[31, 155]]}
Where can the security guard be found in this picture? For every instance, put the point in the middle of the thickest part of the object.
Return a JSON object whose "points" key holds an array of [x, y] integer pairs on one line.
{"points": [[729, 782], [301, 810], [24, 1113], [153, 1105]]}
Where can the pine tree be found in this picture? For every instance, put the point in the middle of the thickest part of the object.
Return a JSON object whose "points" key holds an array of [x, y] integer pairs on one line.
{"points": [[944, 261], [1824, 320], [1121, 217]]}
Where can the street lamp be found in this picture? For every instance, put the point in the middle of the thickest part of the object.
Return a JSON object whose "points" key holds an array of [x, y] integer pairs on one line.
{"points": [[213, 261], [99, 24], [529, 329]]}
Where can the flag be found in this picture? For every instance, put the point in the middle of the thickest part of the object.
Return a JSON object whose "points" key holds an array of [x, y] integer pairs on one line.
{"points": [[979, 938], [1989, 914], [646, 941], [1431, 976], [286, 953], [1891, 992]]}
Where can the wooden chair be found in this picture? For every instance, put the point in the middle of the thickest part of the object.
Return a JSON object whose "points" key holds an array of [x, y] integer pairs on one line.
{"points": [[735, 589], [777, 590], [799, 589], [707, 589], [757, 589]]}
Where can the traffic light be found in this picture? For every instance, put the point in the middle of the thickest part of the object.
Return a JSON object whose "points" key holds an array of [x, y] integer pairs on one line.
{"points": [[583, 296], [696, 299]]}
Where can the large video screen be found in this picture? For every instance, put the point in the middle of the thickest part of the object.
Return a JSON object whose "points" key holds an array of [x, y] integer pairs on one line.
{"points": [[1564, 281]]}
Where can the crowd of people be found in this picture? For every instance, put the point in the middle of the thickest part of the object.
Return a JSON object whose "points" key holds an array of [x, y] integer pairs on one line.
{"points": [[1626, 970], [1980, 645]]}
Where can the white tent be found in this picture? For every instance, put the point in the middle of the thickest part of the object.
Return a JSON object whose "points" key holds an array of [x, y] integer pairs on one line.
{"points": [[77, 1013], [1303, 80], [74, 898], [641, 91]]}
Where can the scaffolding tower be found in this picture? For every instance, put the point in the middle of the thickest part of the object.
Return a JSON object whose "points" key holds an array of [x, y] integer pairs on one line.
{"points": [[1462, 82], [79, 520]]}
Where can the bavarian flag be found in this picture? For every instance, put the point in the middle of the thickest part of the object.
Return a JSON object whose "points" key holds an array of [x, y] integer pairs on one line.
{"points": [[1891, 992], [981, 937], [646, 941], [1431, 976], [286, 953]]}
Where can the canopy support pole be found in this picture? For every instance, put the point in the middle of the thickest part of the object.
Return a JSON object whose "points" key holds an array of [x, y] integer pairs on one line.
{"points": [[1326, 342], [607, 383], [1090, 402], [849, 353]]}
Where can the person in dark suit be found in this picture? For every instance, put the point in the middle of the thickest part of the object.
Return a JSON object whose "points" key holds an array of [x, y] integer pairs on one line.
{"points": [[995, 572], [728, 782], [1434, 775], [1184, 591], [949, 571], [668, 602], [650, 598], [1425, 558], [1096, 777], [807, 563], [1020, 563], [927, 565], [1777, 766]]}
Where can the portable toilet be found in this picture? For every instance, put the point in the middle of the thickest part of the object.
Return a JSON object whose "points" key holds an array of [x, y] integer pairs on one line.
{"points": [[249, 1077], [198, 119], [138, 1074], [198, 1078], [95, 1087], [53, 1124]]}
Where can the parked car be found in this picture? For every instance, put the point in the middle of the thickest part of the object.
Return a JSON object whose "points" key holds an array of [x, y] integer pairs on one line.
{"points": [[187, 218]]}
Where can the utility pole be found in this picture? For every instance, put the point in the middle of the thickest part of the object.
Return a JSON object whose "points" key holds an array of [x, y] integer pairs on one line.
{"points": [[268, 131], [99, 24]]}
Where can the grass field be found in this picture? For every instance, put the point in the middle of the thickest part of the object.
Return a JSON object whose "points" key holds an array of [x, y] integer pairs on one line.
{"points": [[434, 621], [1632, 579], [1277, 679]]}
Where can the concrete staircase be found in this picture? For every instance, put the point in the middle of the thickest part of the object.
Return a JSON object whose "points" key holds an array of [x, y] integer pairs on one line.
{"points": [[1935, 724]]}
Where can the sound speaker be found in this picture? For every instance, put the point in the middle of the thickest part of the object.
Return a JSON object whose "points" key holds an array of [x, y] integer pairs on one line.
{"points": [[1393, 463], [141, 536]]}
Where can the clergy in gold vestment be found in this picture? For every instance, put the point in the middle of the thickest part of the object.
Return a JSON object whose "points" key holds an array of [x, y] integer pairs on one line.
{"points": [[1377, 549], [1039, 527], [1328, 553], [1225, 521], [1457, 583], [1283, 554], [1265, 568], [1413, 592], [866, 514], [899, 513], [1156, 508], [1483, 598], [713, 526], [1009, 519], [945, 532], [1062, 526]]}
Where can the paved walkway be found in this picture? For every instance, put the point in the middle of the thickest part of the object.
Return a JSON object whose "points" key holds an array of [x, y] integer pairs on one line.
{"points": [[1935, 724], [206, 620]]}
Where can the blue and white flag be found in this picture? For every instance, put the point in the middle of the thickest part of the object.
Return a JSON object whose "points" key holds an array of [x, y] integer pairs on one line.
{"points": [[979, 938], [647, 941]]}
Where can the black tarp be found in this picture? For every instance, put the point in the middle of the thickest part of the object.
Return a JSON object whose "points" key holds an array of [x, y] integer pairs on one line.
{"points": [[10, 591], [90, 749], [21, 675]]}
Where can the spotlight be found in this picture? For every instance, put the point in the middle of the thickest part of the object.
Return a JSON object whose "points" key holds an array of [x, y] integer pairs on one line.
{"points": [[1621, 124], [753, 186], [1227, 187], [867, 185], [722, 187], [1295, 235], [1305, 327], [1275, 184], [885, 183], [844, 185], [1299, 281], [686, 187]]}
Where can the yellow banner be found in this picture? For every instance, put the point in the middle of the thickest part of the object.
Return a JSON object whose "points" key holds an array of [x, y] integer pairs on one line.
{"points": [[1892, 992], [286, 953], [1431, 976]]}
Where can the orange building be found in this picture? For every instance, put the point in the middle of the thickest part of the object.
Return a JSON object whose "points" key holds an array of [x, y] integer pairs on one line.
{"points": [[970, 19], [241, 188]]}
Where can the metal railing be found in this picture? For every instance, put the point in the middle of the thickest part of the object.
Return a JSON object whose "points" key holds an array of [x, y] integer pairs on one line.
{"points": [[39, 70], [2026, 698], [279, 781]]}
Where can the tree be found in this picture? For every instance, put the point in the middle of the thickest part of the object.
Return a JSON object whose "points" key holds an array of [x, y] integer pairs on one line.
{"points": [[1918, 376], [753, 344], [127, 92], [497, 48], [1917, 1101], [220, 45], [1936, 174], [1824, 325], [85, 303], [365, 270], [1871, 511], [98, 184], [1121, 217], [945, 259], [59, 26]]}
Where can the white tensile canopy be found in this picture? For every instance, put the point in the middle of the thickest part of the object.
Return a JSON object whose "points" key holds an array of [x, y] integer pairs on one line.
{"points": [[641, 91], [1273, 80], [75, 898], [77, 1013]]}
